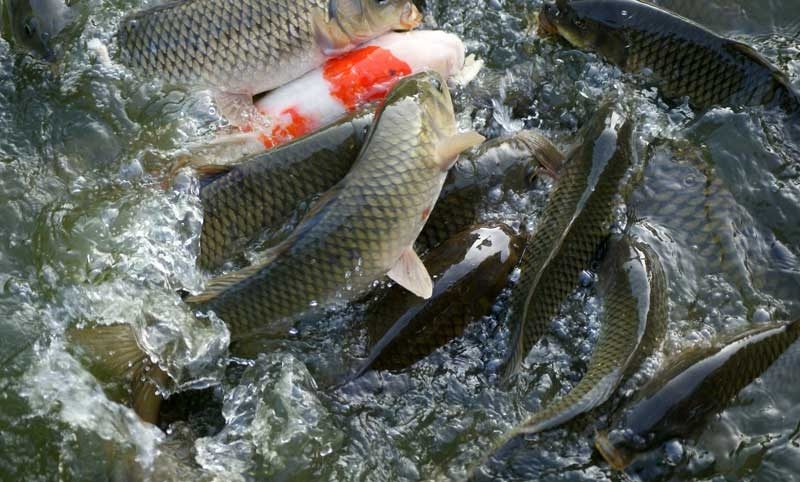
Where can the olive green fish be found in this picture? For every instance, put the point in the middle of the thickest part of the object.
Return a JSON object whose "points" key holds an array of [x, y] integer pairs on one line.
{"points": [[260, 195], [469, 270], [693, 386], [242, 48], [685, 58], [360, 230], [576, 220], [264, 196], [634, 320]]}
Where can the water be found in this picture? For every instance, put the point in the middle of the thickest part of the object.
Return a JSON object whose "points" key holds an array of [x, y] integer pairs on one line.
{"points": [[89, 235]]}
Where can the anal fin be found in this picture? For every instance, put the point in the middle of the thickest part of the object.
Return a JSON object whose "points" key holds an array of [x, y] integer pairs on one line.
{"points": [[240, 111], [411, 274], [116, 357]]}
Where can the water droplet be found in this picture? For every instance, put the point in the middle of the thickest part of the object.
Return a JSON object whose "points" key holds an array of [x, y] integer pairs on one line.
{"points": [[313, 303], [293, 331]]}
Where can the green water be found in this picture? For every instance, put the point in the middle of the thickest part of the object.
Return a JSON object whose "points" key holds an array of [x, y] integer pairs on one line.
{"points": [[88, 234]]}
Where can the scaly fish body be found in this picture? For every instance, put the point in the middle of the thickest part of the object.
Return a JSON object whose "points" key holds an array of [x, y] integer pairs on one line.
{"points": [[576, 220], [685, 58], [265, 192], [634, 321], [252, 46], [470, 270], [692, 387], [266, 195], [363, 228]]}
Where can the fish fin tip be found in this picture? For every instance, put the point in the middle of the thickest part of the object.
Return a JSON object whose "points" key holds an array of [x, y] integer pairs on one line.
{"points": [[449, 149], [220, 284], [116, 350], [410, 273], [208, 173]]}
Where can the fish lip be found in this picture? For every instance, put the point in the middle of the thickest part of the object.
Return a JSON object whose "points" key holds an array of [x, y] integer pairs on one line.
{"points": [[411, 18], [547, 28]]}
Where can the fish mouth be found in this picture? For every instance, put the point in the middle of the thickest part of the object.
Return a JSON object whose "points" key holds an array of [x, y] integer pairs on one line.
{"points": [[411, 17], [547, 28]]}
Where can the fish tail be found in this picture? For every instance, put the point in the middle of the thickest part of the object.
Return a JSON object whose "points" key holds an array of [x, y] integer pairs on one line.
{"points": [[115, 351]]}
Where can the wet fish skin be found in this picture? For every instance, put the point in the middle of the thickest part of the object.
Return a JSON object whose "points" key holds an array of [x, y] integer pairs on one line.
{"points": [[576, 220], [691, 387], [633, 324], [509, 162], [470, 269], [685, 58], [268, 193], [361, 228], [35, 24], [268, 190], [251, 46]]}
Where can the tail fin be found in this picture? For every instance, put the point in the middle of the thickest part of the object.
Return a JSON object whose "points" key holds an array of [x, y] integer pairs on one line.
{"points": [[115, 356]]}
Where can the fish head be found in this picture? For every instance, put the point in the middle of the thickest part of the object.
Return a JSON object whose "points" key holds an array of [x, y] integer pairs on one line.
{"points": [[429, 91], [35, 24], [593, 25], [362, 20]]}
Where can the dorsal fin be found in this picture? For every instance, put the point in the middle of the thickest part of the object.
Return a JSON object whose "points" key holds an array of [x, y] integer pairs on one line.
{"points": [[209, 173]]}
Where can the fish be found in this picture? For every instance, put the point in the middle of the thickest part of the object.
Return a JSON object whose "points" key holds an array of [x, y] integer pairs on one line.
{"points": [[684, 193], [264, 196], [633, 289], [240, 49], [470, 270], [35, 25], [684, 58], [510, 162], [576, 220], [693, 386], [342, 86], [353, 80], [259, 195], [359, 231]]}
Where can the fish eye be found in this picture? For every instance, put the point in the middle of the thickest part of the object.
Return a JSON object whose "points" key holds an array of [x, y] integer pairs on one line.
{"points": [[437, 84], [29, 27]]}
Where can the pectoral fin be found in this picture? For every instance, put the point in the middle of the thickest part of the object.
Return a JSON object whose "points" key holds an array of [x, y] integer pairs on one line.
{"points": [[449, 149], [411, 274]]}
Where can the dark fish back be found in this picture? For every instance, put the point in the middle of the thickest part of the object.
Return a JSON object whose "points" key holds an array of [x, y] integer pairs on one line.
{"points": [[689, 60], [577, 219], [266, 191]]}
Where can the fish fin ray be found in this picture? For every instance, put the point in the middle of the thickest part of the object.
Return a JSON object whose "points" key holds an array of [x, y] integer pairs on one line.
{"points": [[411, 274], [208, 173], [448, 150], [220, 284], [115, 349]]}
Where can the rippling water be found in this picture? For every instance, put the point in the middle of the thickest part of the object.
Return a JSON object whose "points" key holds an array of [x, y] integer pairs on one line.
{"points": [[89, 235]]}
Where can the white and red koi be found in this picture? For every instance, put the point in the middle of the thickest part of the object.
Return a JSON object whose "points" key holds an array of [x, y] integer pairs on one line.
{"points": [[345, 83]]}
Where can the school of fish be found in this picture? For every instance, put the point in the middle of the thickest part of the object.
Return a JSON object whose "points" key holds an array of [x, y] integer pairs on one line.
{"points": [[344, 179]]}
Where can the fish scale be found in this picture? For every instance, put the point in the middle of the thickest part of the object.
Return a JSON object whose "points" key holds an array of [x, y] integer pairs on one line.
{"points": [[247, 47], [633, 324], [685, 58], [264, 190], [575, 222], [356, 233]]}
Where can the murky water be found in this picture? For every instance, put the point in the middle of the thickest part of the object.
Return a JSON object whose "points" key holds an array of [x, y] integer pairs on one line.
{"points": [[87, 234]]}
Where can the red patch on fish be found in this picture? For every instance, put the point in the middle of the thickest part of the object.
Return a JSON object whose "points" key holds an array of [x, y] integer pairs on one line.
{"points": [[425, 213], [364, 75], [291, 124]]}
